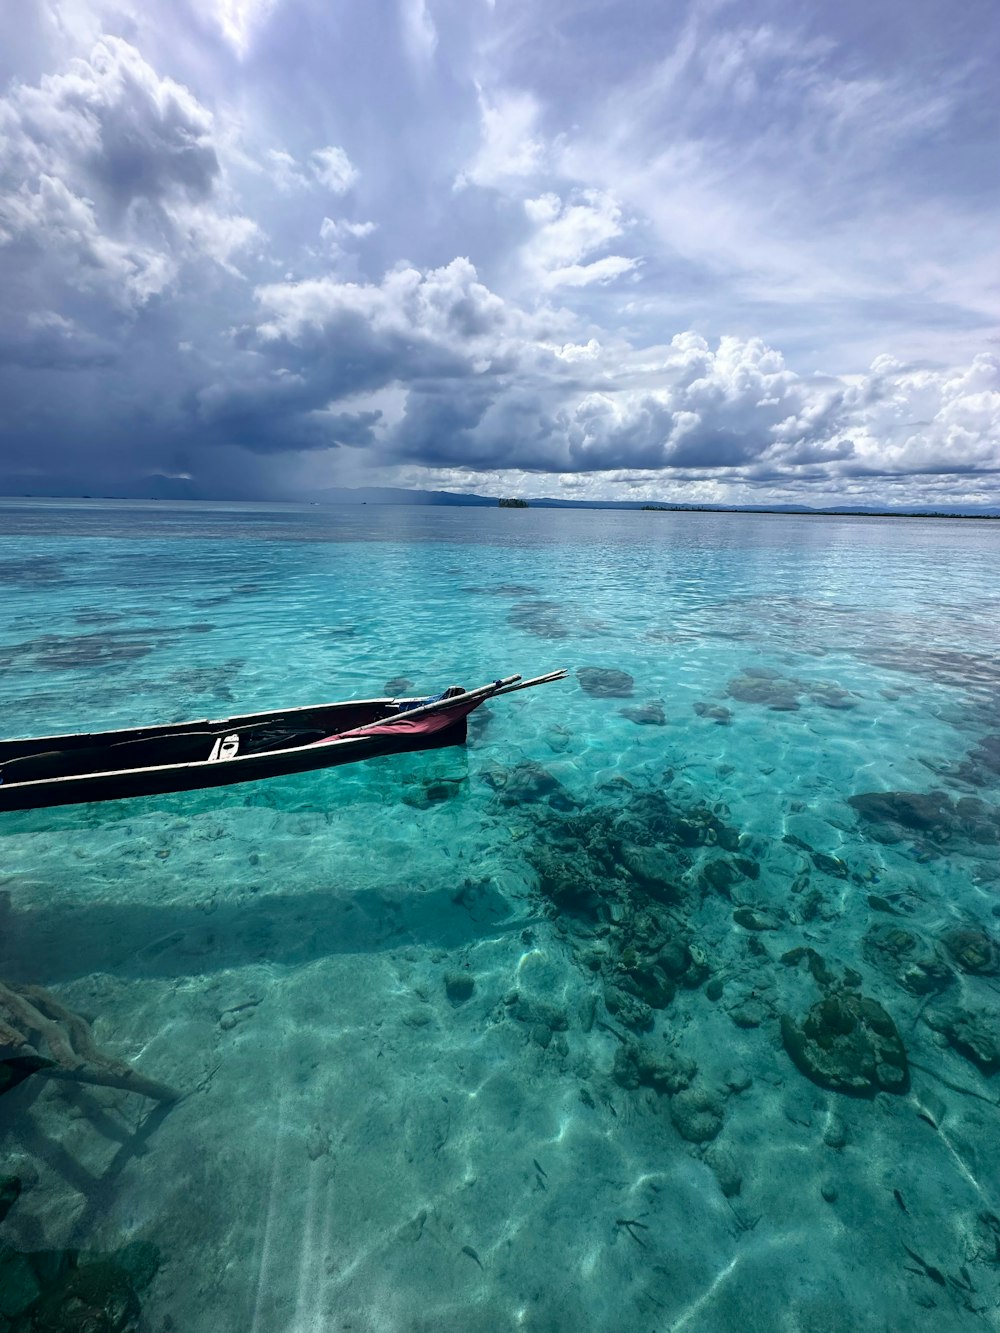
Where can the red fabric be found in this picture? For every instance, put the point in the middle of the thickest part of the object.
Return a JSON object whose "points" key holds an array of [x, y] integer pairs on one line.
{"points": [[405, 726]]}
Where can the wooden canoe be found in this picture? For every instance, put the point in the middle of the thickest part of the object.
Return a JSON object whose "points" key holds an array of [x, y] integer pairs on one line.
{"points": [[42, 771]]}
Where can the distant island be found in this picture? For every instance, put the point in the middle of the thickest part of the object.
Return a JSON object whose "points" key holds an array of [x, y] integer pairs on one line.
{"points": [[397, 495]]}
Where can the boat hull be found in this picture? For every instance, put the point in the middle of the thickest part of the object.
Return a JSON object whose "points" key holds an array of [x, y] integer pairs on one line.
{"points": [[24, 764]]}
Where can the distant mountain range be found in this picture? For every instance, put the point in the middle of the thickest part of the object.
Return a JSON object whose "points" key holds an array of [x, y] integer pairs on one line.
{"points": [[396, 495]]}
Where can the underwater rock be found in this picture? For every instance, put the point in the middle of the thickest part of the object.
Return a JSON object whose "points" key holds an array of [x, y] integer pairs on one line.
{"points": [[728, 1174], [587, 1012], [698, 968], [19, 1286], [64, 652], [697, 1114], [529, 783], [426, 794], [747, 866], [886, 945], [752, 918], [68, 1291], [879, 904], [748, 1013], [557, 737], [976, 820], [848, 1043], [34, 571], [572, 884], [932, 813], [971, 1035], [814, 905], [605, 682], [537, 1013], [647, 715], [508, 590], [645, 980], [658, 821], [772, 692], [10, 1192], [720, 876], [739, 1080], [836, 1135], [540, 618], [459, 986], [628, 1009], [831, 695], [714, 989], [676, 957], [972, 949], [828, 1190], [821, 974], [398, 685], [648, 866], [638, 1065], [925, 976], [982, 765], [829, 865], [717, 713], [919, 812]]}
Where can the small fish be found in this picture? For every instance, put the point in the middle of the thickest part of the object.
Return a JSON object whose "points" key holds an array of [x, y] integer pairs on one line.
{"points": [[927, 1269], [539, 1169], [899, 1199], [467, 1249], [633, 1225]]}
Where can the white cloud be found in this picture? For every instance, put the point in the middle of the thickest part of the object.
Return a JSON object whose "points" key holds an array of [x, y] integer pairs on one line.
{"points": [[565, 234], [126, 272], [448, 306], [239, 21], [329, 168], [510, 147], [335, 231], [284, 172], [917, 420], [112, 170], [334, 169], [420, 35], [484, 387]]}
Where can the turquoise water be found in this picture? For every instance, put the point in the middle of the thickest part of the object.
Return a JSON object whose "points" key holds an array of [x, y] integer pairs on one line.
{"points": [[676, 1096]]}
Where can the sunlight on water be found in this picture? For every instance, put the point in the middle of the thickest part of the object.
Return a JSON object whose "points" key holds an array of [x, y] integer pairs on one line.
{"points": [[669, 1003]]}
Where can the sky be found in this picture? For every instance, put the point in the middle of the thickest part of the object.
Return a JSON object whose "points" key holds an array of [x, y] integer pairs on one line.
{"points": [[694, 251]]}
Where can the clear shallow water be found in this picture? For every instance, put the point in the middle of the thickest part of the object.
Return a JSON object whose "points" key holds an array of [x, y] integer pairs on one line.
{"points": [[282, 951]]}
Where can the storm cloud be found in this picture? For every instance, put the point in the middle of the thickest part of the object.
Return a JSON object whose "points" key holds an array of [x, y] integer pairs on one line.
{"points": [[724, 253]]}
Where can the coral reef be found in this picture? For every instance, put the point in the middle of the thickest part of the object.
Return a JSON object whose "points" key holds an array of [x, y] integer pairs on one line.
{"points": [[848, 1043], [605, 682], [69, 1291]]}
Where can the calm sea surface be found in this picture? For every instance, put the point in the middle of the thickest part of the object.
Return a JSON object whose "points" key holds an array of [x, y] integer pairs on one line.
{"points": [[672, 1002]]}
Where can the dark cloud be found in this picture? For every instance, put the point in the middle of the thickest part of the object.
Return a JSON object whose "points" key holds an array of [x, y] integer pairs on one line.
{"points": [[214, 271]]}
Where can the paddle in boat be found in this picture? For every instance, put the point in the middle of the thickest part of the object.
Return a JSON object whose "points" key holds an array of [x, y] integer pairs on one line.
{"points": [[45, 771]]}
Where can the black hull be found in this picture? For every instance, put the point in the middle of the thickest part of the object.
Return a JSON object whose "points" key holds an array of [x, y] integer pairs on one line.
{"points": [[159, 778], [38, 772]]}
